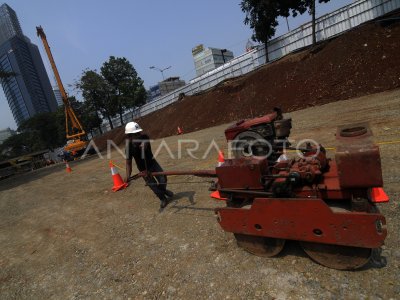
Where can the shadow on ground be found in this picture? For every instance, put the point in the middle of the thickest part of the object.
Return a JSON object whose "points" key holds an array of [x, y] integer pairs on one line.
{"points": [[16, 180], [23, 178]]}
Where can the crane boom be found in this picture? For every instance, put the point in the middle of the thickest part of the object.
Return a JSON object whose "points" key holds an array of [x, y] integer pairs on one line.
{"points": [[75, 131]]}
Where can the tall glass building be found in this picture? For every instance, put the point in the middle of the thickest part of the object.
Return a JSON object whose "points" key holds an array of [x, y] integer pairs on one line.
{"points": [[28, 92]]}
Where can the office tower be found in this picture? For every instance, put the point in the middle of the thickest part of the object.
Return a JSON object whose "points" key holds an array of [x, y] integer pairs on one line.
{"points": [[28, 92], [207, 59], [164, 87]]}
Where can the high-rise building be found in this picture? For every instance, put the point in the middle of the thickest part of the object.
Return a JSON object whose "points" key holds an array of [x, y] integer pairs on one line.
{"points": [[207, 59], [153, 93], [5, 134], [28, 92], [9, 24], [164, 87], [57, 94]]}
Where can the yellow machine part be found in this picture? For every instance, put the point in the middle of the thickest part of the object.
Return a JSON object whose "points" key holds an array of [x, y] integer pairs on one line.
{"points": [[75, 145]]}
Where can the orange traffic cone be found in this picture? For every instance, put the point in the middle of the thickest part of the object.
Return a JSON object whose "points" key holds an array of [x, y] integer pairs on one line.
{"points": [[378, 195], [221, 158], [180, 131], [216, 195], [119, 184], [67, 167]]}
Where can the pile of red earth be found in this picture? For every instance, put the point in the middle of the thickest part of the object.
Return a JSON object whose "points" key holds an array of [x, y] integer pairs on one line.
{"points": [[117, 135], [363, 61]]}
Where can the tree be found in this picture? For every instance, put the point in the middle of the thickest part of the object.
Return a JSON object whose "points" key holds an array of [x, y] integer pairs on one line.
{"points": [[59, 116], [46, 129], [261, 16], [97, 94], [139, 95], [42, 131], [20, 144], [126, 86], [86, 115], [90, 118], [301, 6]]}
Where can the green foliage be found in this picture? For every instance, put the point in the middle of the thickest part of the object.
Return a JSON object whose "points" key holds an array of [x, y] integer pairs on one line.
{"points": [[43, 131], [301, 6], [59, 116], [89, 117], [127, 90], [20, 144], [116, 89], [85, 113], [262, 15], [46, 128], [97, 94], [139, 97]]}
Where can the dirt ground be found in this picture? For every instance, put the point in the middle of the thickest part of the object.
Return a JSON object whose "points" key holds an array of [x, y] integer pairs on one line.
{"points": [[68, 236]]}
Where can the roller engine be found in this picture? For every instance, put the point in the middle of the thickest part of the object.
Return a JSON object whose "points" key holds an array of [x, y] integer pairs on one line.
{"points": [[263, 136]]}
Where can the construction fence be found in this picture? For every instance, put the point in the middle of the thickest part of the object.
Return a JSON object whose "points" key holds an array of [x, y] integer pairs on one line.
{"points": [[327, 26]]}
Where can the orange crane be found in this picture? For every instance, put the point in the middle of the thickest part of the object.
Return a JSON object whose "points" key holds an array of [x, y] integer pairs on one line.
{"points": [[76, 135]]}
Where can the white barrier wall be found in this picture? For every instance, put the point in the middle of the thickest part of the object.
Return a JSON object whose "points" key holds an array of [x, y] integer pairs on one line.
{"points": [[327, 26]]}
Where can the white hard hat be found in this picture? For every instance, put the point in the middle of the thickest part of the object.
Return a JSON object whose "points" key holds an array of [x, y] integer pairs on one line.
{"points": [[132, 127]]}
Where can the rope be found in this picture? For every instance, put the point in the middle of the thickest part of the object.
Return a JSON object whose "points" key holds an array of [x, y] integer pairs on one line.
{"points": [[326, 148], [389, 142], [378, 143], [115, 165], [179, 182]]}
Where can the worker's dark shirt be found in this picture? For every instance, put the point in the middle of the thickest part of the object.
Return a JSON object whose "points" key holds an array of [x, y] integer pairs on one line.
{"points": [[140, 149]]}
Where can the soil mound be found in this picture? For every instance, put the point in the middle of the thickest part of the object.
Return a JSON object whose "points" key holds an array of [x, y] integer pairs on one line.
{"points": [[117, 135], [363, 61]]}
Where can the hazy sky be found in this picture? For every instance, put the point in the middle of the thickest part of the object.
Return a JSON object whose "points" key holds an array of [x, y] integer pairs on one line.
{"points": [[83, 34]]}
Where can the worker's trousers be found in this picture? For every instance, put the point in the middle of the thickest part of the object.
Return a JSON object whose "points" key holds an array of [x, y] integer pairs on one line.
{"points": [[158, 184]]}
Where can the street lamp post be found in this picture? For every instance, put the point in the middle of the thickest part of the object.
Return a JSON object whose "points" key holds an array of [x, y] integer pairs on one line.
{"points": [[287, 23], [223, 56], [161, 70]]}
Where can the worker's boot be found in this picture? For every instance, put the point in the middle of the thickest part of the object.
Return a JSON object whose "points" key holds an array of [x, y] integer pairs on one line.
{"points": [[168, 193], [164, 203]]}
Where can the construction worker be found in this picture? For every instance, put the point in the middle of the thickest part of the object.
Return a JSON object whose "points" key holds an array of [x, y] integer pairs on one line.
{"points": [[139, 148]]}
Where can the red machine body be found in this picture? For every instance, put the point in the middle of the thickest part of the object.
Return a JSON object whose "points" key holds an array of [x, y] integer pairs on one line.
{"points": [[317, 201], [243, 125]]}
